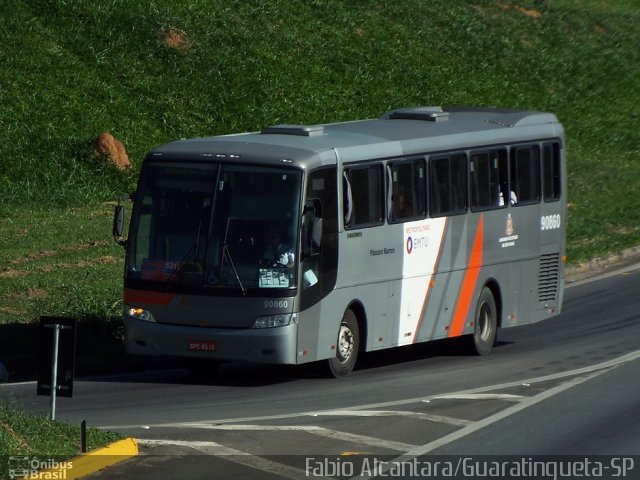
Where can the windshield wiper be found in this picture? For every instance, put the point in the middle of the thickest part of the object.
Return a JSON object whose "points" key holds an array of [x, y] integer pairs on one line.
{"points": [[226, 253], [191, 256]]}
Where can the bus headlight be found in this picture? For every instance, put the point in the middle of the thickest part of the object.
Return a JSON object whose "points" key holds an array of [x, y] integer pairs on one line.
{"points": [[139, 314], [270, 321]]}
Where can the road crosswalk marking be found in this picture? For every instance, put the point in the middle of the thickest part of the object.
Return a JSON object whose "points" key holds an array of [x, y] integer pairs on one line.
{"points": [[315, 430], [396, 413], [233, 455]]}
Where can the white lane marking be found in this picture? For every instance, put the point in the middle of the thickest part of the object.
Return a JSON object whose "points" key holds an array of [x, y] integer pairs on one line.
{"points": [[363, 439], [502, 414], [458, 434], [479, 396], [555, 376], [18, 384], [394, 403], [233, 455], [209, 448], [315, 430], [394, 413]]}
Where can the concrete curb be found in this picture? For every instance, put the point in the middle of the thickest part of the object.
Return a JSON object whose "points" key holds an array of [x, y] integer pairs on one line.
{"points": [[603, 265], [93, 461]]}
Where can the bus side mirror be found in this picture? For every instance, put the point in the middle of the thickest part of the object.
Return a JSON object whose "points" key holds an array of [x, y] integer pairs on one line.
{"points": [[118, 224]]}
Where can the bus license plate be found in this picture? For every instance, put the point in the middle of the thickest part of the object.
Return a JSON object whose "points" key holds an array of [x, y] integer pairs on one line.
{"points": [[202, 346]]}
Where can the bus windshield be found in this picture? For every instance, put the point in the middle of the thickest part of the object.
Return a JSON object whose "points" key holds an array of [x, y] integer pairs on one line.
{"points": [[215, 226]]}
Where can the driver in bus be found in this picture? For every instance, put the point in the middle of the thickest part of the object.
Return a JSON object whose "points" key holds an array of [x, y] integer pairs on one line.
{"points": [[278, 251]]}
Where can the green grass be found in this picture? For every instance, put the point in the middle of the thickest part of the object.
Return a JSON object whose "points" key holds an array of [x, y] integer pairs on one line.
{"points": [[59, 260], [72, 69], [26, 435]]}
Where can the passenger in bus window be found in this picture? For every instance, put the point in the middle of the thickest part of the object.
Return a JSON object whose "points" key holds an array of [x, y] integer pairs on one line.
{"points": [[405, 210], [513, 198]]}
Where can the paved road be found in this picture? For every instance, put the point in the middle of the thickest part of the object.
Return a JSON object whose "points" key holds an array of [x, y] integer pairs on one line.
{"points": [[567, 385]]}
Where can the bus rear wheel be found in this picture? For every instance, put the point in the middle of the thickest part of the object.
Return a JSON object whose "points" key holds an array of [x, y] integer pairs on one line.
{"points": [[347, 346], [485, 326]]}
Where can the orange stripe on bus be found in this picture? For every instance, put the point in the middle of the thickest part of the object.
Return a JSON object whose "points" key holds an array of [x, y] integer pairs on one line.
{"points": [[423, 311], [468, 284], [143, 296]]}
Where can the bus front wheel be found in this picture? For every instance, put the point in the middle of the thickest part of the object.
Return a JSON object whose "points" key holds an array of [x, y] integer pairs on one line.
{"points": [[347, 346], [486, 324]]}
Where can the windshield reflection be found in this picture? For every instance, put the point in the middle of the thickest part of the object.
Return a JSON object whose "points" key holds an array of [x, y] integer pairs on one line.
{"points": [[212, 226]]}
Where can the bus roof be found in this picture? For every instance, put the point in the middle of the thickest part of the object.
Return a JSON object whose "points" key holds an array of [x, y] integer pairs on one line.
{"points": [[401, 132]]}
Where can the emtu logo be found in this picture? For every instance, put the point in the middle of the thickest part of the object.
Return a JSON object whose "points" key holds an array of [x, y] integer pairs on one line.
{"points": [[416, 243], [409, 245]]}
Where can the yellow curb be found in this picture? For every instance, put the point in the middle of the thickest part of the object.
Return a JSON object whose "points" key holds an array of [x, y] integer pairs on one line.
{"points": [[91, 462]]}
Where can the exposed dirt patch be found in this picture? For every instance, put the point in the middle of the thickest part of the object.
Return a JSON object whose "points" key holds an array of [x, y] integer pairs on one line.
{"points": [[13, 434], [11, 311], [33, 256], [529, 12], [12, 273], [30, 257], [113, 150], [32, 292], [104, 260], [176, 39]]}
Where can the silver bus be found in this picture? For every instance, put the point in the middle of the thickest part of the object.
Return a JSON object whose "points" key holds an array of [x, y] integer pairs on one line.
{"points": [[305, 243]]}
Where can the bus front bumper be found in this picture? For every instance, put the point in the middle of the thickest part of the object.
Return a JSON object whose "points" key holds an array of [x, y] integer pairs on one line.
{"points": [[265, 345]]}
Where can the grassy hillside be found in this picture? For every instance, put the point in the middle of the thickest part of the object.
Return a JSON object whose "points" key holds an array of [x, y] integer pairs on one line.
{"points": [[150, 72], [153, 71]]}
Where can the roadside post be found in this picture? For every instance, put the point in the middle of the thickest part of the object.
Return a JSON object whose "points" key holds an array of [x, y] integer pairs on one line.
{"points": [[56, 359]]}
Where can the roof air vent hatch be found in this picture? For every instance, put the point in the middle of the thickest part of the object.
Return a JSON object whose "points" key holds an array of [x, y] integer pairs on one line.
{"points": [[430, 114], [300, 130]]}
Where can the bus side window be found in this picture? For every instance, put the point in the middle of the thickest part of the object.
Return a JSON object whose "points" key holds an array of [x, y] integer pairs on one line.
{"points": [[488, 179], [363, 196], [439, 181], [448, 185], [319, 236], [408, 190], [525, 174], [347, 200], [551, 171], [312, 228]]}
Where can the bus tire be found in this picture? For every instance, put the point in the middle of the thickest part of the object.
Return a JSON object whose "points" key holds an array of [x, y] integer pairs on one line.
{"points": [[347, 347], [485, 325]]}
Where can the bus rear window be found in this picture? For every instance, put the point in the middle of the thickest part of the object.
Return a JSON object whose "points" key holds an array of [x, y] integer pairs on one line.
{"points": [[525, 174], [551, 171]]}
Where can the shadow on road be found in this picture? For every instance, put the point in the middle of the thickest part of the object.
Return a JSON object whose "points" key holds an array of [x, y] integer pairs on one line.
{"points": [[242, 375]]}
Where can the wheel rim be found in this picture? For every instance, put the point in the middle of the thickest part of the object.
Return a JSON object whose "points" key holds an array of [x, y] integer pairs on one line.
{"points": [[484, 322], [346, 342]]}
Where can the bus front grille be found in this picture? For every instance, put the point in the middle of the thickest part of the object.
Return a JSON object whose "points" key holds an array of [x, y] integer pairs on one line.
{"points": [[548, 277]]}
